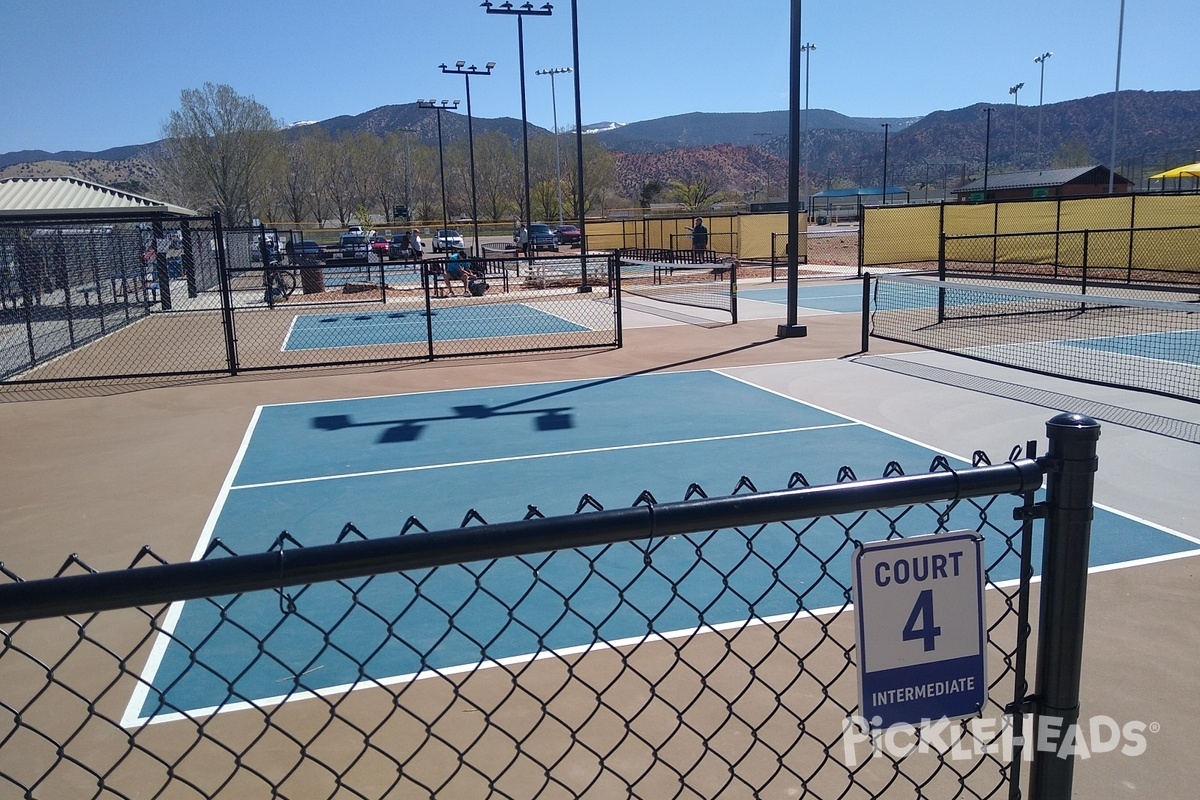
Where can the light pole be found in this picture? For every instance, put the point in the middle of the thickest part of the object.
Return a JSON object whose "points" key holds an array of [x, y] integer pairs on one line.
{"points": [[987, 150], [520, 12], [439, 107], [580, 212], [467, 73], [1041, 60], [557, 161], [807, 50], [1112, 160], [1013, 91], [408, 132], [886, 126], [767, 188]]}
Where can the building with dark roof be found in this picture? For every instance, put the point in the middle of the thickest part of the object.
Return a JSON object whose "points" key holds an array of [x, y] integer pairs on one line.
{"points": [[1068, 182]]}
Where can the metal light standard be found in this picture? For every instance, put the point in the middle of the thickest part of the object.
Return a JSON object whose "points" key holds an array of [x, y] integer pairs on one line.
{"points": [[1041, 60], [1112, 166], [807, 50], [987, 150], [886, 126], [408, 132], [1013, 91], [557, 161], [580, 213], [467, 73], [441, 159], [767, 187], [520, 12]]}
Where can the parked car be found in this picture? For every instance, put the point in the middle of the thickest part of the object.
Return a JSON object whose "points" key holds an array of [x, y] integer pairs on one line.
{"points": [[379, 244], [541, 237], [400, 246], [356, 230], [306, 248], [567, 234], [352, 245], [447, 239]]}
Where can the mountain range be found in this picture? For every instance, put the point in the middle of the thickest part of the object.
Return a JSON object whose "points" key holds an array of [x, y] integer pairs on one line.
{"points": [[746, 153]]}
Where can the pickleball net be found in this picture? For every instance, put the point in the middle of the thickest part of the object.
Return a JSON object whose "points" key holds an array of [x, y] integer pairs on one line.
{"points": [[1128, 342], [700, 280]]}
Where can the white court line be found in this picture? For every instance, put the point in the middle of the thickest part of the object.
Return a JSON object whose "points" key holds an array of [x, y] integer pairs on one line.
{"points": [[535, 456], [141, 690]]}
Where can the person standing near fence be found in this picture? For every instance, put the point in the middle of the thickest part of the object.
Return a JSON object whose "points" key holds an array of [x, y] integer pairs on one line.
{"points": [[523, 239], [699, 235], [418, 247]]}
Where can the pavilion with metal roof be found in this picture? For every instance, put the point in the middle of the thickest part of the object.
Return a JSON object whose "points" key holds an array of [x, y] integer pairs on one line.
{"points": [[74, 197]]}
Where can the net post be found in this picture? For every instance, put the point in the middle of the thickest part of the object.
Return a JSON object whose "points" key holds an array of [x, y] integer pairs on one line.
{"points": [[1070, 464], [941, 276], [866, 312], [733, 295]]}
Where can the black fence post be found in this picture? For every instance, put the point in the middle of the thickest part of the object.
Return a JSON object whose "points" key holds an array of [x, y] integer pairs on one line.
{"points": [[1071, 466], [866, 312], [941, 277], [227, 318]]}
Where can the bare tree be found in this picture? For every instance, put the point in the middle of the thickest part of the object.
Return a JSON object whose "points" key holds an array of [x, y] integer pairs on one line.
{"points": [[694, 195], [498, 176], [219, 152], [299, 180]]}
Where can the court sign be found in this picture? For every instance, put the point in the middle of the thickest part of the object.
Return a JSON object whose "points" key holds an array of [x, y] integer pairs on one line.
{"points": [[921, 631]]}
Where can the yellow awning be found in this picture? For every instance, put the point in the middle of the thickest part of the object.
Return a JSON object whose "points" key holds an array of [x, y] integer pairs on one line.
{"points": [[1186, 171]]}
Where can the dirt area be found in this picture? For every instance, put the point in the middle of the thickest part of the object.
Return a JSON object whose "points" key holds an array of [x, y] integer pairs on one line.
{"points": [[840, 249]]}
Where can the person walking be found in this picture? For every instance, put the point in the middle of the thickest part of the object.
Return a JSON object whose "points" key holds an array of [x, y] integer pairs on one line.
{"points": [[418, 247], [523, 239], [699, 235]]}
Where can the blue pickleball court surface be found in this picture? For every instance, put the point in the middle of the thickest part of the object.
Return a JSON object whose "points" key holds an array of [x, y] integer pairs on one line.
{"points": [[837, 298], [404, 326], [310, 468], [1181, 347]]}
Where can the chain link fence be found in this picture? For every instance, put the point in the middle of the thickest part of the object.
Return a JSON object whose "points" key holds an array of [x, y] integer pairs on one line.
{"points": [[1139, 237], [96, 299], [701, 648]]}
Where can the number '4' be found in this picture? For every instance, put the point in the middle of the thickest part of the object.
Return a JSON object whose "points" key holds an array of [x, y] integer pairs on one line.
{"points": [[922, 615]]}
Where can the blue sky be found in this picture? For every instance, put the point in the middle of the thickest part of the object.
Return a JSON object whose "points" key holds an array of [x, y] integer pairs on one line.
{"points": [[87, 75]]}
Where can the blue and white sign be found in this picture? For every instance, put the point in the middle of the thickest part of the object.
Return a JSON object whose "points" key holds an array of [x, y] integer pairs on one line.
{"points": [[921, 631]]}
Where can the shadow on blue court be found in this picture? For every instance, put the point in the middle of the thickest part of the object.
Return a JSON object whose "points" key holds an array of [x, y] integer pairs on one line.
{"points": [[310, 468], [404, 326]]}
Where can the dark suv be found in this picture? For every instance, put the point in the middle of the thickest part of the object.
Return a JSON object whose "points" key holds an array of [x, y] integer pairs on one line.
{"points": [[352, 245], [541, 237]]}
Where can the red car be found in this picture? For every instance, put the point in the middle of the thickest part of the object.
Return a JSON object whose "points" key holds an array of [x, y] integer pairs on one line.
{"points": [[379, 244], [567, 234]]}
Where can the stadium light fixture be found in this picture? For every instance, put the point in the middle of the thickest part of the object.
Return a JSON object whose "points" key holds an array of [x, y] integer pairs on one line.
{"points": [[1041, 60], [439, 108], [521, 12], [467, 73], [557, 161]]}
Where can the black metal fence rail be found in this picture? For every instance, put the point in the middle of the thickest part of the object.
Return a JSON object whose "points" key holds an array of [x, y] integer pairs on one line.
{"points": [[110, 691], [112, 299]]}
